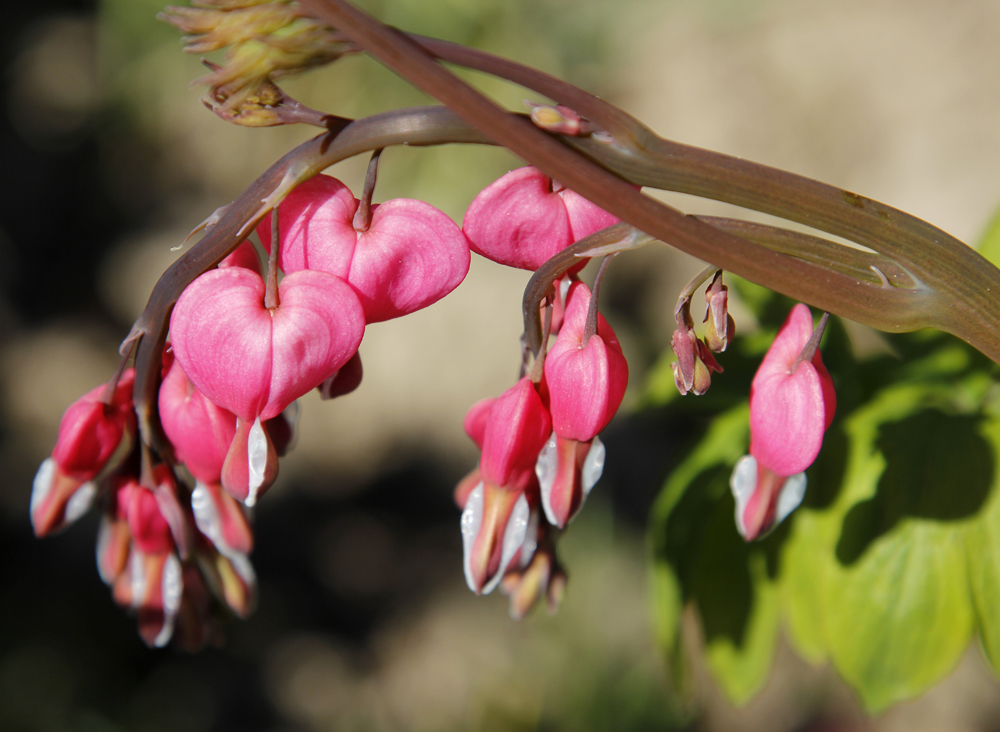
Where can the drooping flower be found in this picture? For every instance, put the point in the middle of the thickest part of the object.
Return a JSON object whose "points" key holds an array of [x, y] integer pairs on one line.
{"points": [[586, 383], [523, 218], [792, 403], [510, 430], [410, 256], [254, 361], [89, 434]]}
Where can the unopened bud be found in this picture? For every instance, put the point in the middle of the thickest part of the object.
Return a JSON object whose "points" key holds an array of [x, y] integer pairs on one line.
{"points": [[559, 119], [720, 329], [695, 363]]}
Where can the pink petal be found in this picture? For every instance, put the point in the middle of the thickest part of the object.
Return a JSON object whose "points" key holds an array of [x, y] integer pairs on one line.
{"points": [[475, 420], [788, 412], [254, 362], [411, 256], [517, 220], [200, 430], [221, 335], [586, 383], [584, 217], [517, 428], [316, 229]]}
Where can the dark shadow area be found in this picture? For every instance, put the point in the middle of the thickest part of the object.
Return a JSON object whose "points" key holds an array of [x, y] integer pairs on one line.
{"points": [[938, 467]]}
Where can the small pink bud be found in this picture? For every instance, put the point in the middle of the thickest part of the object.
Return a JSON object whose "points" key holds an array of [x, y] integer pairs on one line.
{"points": [[558, 119], [90, 431], [150, 530], [253, 361], [791, 402], [520, 220], [113, 544], [58, 500], [721, 329], [200, 431], [410, 256], [541, 578], [695, 363], [586, 381], [515, 431]]}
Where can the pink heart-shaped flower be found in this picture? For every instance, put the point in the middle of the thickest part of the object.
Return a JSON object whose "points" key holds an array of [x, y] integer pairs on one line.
{"points": [[521, 221], [410, 256], [254, 361]]}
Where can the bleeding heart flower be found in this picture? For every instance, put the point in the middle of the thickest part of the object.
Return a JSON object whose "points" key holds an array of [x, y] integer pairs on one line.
{"points": [[410, 256], [523, 218], [586, 383], [792, 403], [253, 361]]}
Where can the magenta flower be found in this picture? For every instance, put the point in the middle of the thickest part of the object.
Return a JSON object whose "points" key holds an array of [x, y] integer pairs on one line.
{"points": [[792, 403], [523, 218], [586, 383], [89, 434], [253, 361], [511, 431], [410, 256], [200, 431]]}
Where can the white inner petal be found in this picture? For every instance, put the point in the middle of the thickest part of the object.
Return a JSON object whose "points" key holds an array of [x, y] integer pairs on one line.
{"points": [[104, 536], [530, 539], [172, 587], [545, 468], [256, 460], [137, 577], [42, 485], [80, 502], [593, 466], [206, 516], [742, 483], [513, 539], [472, 519], [791, 495]]}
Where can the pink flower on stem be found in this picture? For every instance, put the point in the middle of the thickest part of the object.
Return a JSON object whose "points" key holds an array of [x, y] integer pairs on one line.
{"points": [[410, 255], [510, 430], [586, 375], [254, 361], [792, 403], [523, 218], [89, 434]]}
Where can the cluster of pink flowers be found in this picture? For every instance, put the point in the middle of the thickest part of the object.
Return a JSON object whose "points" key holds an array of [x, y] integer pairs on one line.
{"points": [[540, 451], [175, 536]]}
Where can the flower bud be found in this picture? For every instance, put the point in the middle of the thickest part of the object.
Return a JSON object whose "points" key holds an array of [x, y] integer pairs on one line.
{"points": [[90, 430], [695, 363], [558, 119], [720, 328]]}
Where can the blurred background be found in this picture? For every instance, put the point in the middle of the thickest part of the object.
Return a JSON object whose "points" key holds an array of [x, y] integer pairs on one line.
{"points": [[364, 621]]}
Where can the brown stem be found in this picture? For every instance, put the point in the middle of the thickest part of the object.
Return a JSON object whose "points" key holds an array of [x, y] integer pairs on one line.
{"points": [[363, 216], [590, 327], [271, 300], [809, 349]]}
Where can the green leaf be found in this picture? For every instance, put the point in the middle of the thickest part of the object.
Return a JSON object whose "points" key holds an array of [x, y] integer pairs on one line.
{"points": [[887, 560]]}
